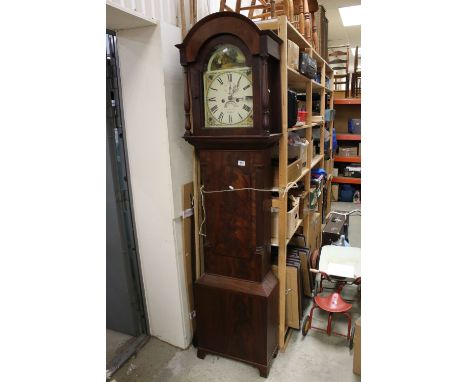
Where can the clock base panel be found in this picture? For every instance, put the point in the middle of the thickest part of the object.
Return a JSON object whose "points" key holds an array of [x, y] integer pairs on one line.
{"points": [[238, 319]]}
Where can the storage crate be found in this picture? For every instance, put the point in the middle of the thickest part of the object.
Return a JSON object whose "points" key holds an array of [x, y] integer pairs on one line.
{"points": [[292, 217], [294, 171], [347, 151], [329, 115], [301, 116], [293, 55]]}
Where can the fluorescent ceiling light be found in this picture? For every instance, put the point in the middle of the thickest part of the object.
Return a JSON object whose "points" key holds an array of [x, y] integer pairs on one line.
{"points": [[350, 15]]}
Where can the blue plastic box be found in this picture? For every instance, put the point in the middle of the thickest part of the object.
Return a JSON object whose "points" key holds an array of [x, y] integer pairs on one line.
{"points": [[354, 126]]}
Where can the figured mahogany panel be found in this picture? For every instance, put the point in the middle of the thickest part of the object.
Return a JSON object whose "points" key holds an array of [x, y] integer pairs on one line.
{"points": [[237, 225]]}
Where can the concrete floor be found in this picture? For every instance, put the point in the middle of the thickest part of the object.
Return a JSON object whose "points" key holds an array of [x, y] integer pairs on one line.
{"points": [[354, 233], [114, 341], [315, 357]]}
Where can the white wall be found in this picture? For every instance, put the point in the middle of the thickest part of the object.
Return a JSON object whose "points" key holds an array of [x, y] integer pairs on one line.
{"points": [[179, 150], [147, 8], [160, 162], [156, 197]]}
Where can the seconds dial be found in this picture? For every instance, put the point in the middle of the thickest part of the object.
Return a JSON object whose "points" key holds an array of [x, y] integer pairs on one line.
{"points": [[229, 99]]}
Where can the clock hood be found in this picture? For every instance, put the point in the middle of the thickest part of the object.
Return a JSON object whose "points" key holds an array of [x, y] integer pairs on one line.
{"points": [[227, 23]]}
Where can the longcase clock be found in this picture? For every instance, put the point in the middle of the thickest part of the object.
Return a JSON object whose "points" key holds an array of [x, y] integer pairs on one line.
{"points": [[233, 119]]}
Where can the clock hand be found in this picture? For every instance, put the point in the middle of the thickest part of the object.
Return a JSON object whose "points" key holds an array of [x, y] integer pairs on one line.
{"points": [[242, 98], [237, 85]]}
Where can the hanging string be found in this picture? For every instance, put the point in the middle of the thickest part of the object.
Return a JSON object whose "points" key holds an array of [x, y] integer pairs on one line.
{"points": [[280, 190]]}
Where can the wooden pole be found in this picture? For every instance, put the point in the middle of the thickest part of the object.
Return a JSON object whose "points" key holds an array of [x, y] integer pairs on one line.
{"points": [[183, 25]]}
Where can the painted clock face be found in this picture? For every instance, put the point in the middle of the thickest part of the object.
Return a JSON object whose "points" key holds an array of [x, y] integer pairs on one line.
{"points": [[228, 89]]}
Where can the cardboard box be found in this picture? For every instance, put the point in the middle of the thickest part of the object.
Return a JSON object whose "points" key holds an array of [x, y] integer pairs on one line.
{"points": [[302, 207], [315, 231], [357, 348], [335, 192], [328, 166], [347, 151], [293, 55]]}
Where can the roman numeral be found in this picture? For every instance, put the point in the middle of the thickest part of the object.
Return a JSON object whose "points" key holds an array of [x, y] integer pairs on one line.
{"points": [[220, 80], [246, 86], [229, 75], [246, 108], [230, 118], [214, 89], [214, 108], [212, 99], [221, 117], [240, 116]]}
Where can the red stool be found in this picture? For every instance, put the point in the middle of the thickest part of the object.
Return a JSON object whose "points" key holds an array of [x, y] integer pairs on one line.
{"points": [[332, 303]]}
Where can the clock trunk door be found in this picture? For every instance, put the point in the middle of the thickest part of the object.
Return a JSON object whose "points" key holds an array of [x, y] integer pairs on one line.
{"points": [[237, 222]]}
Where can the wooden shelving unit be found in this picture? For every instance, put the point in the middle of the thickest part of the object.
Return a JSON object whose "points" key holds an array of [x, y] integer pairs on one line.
{"points": [[346, 180], [347, 159], [348, 101], [347, 108], [348, 137], [291, 78], [295, 128]]}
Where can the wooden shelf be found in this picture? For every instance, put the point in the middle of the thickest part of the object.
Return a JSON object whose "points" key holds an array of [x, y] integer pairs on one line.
{"points": [[296, 37], [304, 172], [348, 137], [315, 160], [295, 77], [274, 242], [346, 180], [315, 84], [303, 127], [348, 101], [298, 81], [348, 159]]}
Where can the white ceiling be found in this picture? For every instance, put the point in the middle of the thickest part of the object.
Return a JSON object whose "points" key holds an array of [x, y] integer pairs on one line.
{"points": [[337, 33]]}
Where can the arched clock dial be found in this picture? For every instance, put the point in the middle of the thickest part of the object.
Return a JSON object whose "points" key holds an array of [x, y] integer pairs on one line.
{"points": [[229, 98]]}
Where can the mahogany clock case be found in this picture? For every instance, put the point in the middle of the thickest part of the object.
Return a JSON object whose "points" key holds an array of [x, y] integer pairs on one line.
{"points": [[236, 299]]}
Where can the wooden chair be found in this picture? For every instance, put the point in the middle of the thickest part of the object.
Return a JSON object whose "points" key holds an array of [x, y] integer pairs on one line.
{"points": [[298, 18], [339, 62], [313, 8], [223, 7], [356, 76], [268, 8], [303, 19]]}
